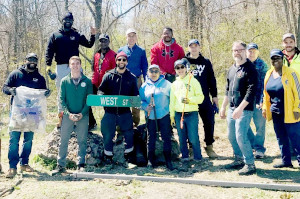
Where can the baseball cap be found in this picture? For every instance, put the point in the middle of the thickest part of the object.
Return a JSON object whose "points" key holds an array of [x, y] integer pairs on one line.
{"points": [[288, 35], [193, 41], [31, 55], [182, 61], [153, 66], [104, 36], [276, 52], [130, 30], [252, 46]]}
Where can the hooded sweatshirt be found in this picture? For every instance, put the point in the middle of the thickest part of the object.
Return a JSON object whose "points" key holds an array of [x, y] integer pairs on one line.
{"points": [[164, 56], [204, 73], [178, 91], [161, 94]]}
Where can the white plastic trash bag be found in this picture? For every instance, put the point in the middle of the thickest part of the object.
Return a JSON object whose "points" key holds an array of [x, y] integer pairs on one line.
{"points": [[28, 111]]}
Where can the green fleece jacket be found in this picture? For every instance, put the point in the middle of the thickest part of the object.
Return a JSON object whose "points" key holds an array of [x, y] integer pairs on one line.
{"points": [[73, 98], [178, 91]]}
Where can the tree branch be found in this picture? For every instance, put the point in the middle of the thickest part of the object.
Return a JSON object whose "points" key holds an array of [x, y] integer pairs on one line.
{"points": [[118, 17], [90, 8], [85, 57]]}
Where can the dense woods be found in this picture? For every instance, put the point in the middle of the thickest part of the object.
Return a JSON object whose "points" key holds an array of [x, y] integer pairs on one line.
{"points": [[25, 25]]}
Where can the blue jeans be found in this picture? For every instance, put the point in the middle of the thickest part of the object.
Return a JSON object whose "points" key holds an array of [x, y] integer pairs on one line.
{"points": [[13, 149], [284, 132], [108, 129], [81, 130], [238, 135], [188, 133], [257, 141], [165, 129]]}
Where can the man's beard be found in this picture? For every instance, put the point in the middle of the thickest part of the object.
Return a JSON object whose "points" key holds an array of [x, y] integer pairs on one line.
{"points": [[121, 67]]}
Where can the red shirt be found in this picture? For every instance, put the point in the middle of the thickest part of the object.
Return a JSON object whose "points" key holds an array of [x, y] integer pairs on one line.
{"points": [[108, 63]]}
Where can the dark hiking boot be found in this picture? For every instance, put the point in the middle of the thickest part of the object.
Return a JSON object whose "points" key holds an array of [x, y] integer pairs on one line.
{"points": [[168, 157], [236, 164], [59, 170], [248, 169], [151, 159], [283, 165], [81, 168]]}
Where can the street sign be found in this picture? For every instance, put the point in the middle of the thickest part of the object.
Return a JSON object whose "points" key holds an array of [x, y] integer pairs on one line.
{"points": [[113, 101]]}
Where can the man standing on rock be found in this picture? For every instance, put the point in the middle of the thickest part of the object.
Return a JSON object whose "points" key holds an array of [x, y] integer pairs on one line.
{"points": [[165, 52], [74, 90], [137, 64], [29, 76], [63, 45], [118, 81]]}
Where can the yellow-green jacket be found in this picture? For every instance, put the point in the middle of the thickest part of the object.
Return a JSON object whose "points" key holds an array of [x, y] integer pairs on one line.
{"points": [[290, 81], [178, 91], [295, 63]]}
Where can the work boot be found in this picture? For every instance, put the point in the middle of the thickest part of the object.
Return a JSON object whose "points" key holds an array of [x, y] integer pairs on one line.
{"points": [[11, 173], [248, 169], [151, 159], [59, 170], [185, 165], [130, 160], [210, 152], [26, 168], [108, 162], [236, 164], [168, 157]]}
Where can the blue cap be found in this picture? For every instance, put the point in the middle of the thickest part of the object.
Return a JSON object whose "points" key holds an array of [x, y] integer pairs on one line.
{"points": [[182, 61], [251, 46], [193, 41], [276, 52], [68, 15]]}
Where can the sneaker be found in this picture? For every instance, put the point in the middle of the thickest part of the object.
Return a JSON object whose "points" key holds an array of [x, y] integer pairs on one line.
{"points": [[259, 155], [11, 173], [26, 168], [59, 170], [248, 169], [282, 165], [236, 164]]}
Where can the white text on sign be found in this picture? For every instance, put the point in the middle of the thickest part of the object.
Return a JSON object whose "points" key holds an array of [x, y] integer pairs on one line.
{"points": [[109, 101]]}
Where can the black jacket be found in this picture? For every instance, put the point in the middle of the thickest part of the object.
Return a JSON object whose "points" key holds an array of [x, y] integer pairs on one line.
{"points": [[204, 73], [20, 77], [242, 84], [63, 45], [114, 83]]}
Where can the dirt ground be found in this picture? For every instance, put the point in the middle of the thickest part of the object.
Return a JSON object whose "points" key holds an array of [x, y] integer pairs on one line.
{"points": [[41, 184]]}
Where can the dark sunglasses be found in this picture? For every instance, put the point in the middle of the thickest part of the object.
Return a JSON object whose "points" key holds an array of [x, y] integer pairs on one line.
{"points": [[154, 71], [124, 60], [179, 67]]}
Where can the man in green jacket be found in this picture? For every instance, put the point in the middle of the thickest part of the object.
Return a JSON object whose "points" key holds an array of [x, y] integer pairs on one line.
{"points": [[291, 52], [74, 90]]}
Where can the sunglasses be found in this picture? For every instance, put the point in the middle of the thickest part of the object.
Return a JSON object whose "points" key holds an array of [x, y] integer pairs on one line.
{"points": [[179, 67], [124, 60], [154, 71]]}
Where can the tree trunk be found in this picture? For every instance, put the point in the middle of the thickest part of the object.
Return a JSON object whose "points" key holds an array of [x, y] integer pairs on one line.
{"points": [[192, 21], [287, 16], [66, 5], [298, 32]]}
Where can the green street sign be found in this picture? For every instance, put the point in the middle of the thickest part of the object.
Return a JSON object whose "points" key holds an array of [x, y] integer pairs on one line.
{"points": [[113, 101]]}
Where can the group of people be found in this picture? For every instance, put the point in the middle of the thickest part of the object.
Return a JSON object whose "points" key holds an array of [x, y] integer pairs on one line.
{"points": [[175, 89]]}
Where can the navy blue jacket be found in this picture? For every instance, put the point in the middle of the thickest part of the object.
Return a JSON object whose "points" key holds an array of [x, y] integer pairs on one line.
{"points": [[20, 77], [63, 45], [204, 73], [114, 83]]}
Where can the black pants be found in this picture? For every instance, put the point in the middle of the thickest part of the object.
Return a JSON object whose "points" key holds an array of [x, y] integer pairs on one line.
{"points": [[207, 115], [92, 120]]}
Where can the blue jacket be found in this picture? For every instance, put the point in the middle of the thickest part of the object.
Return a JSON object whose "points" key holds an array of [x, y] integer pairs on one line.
{"points": [[161, 89], [137, 60], [261, 68]]}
